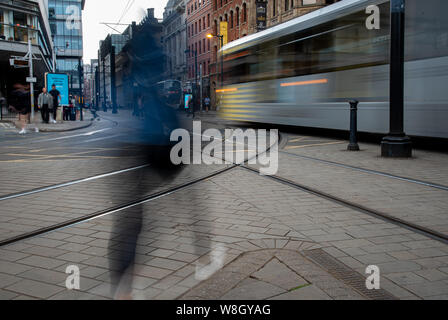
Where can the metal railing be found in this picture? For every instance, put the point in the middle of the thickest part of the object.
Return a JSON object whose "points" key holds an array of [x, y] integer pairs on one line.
{"points": [[7, 113]]}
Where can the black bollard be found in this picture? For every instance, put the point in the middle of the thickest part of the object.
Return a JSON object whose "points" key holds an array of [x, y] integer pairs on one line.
{"points": [[353, 145]]}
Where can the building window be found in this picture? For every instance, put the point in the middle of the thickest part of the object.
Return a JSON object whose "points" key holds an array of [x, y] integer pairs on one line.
{"points": [[237, 12], [200, 47], [196, 27], [203, 45], [199, 25], [208, 20], [231, 19], [208, 45], [286, 5], [274, 8], [245, 12], [203, 23]]}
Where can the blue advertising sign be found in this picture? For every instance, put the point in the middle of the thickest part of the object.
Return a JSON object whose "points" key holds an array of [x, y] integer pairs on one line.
{"points": [[188, 100], [60, 80]]}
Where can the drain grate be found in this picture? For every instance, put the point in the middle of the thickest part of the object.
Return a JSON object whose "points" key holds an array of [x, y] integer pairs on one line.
{"points": [[346, 274]]}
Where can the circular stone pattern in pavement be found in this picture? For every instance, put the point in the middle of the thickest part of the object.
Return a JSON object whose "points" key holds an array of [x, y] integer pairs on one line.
{"points": [[285, 270]]}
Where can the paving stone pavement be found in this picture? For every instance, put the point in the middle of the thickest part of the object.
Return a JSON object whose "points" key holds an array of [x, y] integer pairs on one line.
{"points": [[415, 203], [247, 233], [240, 212], [35, 211], [424, 165]]}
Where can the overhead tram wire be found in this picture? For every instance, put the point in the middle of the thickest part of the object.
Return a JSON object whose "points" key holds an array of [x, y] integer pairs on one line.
{"points": [[126, 10]]}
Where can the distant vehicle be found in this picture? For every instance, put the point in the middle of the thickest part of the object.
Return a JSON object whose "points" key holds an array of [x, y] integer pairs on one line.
{"points": [[303, 72], [171, 90]]}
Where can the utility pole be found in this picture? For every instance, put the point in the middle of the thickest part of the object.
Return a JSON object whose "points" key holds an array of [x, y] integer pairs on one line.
{"points": [[200, 85], [81, 97], [113, 91], [396, 143], [30, 64], [221, 38], [104, 83]]}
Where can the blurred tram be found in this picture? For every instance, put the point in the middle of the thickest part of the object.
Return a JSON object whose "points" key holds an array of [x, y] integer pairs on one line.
{"points": [[303, 72]]}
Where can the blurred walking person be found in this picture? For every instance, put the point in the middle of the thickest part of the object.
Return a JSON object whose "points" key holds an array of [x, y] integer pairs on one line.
{"points": [[45, 103], [20, 102]]}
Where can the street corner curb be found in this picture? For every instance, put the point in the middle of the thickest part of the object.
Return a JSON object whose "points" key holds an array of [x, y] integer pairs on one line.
{"points": [[70, 129]]}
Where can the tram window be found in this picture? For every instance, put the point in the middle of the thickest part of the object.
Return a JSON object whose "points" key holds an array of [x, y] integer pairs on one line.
{"points": [[343, 44], [426, 29]]}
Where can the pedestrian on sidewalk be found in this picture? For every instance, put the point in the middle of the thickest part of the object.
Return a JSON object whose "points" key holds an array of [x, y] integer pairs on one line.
{"points": [[45, 103], [20, 102], [66, 110], [207, 103], [56, 100]]}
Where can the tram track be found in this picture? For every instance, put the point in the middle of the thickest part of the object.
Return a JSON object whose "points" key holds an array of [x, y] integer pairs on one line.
{"points": [[433, 234], [69, 183], [430, 233], [114, 209], [370, 171]]}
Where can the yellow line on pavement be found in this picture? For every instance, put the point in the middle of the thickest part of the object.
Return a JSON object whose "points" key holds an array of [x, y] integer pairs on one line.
{"points": [[314, 145], [296, 140]]}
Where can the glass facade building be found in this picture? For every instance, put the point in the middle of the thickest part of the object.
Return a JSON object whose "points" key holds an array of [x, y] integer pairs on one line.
{"points": [[66, 28], [22, 21]]}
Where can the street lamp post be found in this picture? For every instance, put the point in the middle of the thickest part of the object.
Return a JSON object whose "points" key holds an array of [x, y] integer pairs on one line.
{"points": [[396, 143], [195, 52]]}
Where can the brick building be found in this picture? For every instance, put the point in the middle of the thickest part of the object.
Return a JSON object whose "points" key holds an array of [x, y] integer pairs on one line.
{"points": [[199, 24], [279, 11]]}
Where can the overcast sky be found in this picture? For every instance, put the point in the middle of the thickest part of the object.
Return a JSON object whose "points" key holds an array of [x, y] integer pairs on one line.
{"points": [[96, 11]]}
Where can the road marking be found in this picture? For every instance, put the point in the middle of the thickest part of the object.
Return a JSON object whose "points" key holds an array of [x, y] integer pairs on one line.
{"points": [[314, 145], [297, 139], [76, 135], [104, 138], [68, 159]]}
